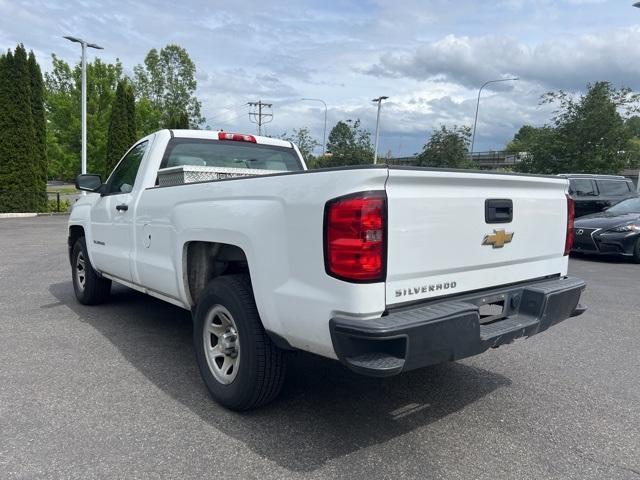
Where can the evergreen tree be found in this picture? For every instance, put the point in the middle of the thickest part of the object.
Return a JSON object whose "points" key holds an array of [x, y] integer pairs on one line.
{"points": [[131, 112], [18, 172], [5, 160], [39, 123], [122, 129]]}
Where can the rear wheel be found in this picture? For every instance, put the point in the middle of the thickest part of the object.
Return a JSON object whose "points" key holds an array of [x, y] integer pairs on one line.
{"points": [[239, 363], [90, 289]]}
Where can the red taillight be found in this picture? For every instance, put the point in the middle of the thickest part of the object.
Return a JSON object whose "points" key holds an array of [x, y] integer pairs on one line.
{"points": [[571, 216], [237, 137], [355, 237]]}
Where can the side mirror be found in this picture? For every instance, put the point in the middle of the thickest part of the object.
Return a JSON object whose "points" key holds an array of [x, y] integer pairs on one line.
{"points": [[89, 182]]}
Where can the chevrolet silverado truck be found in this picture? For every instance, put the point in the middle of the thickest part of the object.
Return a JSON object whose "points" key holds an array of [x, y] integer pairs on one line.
{"points": [[384, 268]]}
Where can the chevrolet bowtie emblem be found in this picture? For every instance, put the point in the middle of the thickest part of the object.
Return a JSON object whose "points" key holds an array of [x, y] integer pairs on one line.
{"points": [[498, 238]]}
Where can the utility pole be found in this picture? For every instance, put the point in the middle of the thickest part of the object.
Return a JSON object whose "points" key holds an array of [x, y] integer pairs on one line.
{"points": [[258, 115], [84, 96], [379, 101]]}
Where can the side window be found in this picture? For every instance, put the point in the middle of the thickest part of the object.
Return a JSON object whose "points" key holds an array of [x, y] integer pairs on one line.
{"points": [[123, 176], [613, 187], [582, 187]]}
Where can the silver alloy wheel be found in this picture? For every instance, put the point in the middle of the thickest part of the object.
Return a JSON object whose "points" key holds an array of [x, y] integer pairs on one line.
{"points": [[81, 274], [221, 344]]}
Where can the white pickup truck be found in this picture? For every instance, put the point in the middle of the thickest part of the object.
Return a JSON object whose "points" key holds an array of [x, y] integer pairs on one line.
{"points": [[384, 268]]}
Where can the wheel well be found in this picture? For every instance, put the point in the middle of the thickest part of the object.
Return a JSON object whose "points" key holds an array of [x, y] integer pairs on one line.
{"points": [[204, 261], [75, 232]]}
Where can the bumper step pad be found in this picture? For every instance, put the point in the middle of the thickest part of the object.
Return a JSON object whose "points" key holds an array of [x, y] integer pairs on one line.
{"points": [[506, 326], [382, 362]]}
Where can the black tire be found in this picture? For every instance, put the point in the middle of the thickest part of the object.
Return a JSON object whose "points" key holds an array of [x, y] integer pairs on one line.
{"points": [[95, 289], [261, 365], [636, 252]]}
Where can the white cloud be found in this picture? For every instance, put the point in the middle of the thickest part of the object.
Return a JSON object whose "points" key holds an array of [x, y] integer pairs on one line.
{"points": [[564, 62]]}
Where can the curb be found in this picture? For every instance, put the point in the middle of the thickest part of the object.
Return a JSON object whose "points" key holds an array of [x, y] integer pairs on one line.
{"points": [[29, 215], [17, 215]]}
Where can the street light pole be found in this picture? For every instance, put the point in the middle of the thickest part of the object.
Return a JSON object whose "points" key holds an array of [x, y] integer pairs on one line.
{"points": [[475, 122], [324, 133], [637, 5], [84, 107], [83, 100], [379, 101]]}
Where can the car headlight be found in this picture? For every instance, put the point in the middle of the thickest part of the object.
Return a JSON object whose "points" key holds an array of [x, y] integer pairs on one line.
{"points": [[630, 227]]}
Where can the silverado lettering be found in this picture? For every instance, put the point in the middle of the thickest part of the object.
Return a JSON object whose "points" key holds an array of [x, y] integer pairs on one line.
{"points": [[425, 288]]}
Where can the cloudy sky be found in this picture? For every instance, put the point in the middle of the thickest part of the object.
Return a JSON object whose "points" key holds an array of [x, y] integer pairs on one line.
{"points": [[428, 56]]}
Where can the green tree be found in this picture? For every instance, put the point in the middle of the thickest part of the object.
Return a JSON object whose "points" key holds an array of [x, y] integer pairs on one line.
{"points": [[167, 80], [19, 174], [587, 134], [302, 138], [62, 104], [523, 139], [633, 125], [148, 119], [39, 121], [341, 138], [122, 126], [447, 148], [349, 144], [539, 147]]}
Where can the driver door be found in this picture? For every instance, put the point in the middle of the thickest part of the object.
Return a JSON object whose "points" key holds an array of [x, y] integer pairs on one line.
{"points": [[112, 217]]}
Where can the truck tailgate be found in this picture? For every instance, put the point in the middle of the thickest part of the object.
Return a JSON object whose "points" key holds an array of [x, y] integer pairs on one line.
{"points": [[441, 243]]}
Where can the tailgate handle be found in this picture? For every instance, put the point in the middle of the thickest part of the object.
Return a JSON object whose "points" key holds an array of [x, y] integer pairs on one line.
{"points": [[498, 210]]}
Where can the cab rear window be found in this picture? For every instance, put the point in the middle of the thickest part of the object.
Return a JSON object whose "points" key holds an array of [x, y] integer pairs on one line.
{"points": [[230, 154]]}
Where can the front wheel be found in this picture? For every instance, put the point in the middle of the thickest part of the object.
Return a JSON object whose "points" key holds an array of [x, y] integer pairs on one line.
{"points": [[239, 363], [89, 287], [636, 252]]}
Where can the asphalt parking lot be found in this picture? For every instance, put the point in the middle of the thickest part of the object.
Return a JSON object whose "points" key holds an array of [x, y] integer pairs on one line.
{"points": [[114, 392]]}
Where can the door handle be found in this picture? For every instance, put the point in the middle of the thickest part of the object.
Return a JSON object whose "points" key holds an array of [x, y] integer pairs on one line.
{"points": [[498, 210], [123, 207]]}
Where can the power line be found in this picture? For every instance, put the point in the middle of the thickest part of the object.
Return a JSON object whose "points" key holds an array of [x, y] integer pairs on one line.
{"points": [[259, 115], [232, 109], [234, 117], [225, 121]]}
